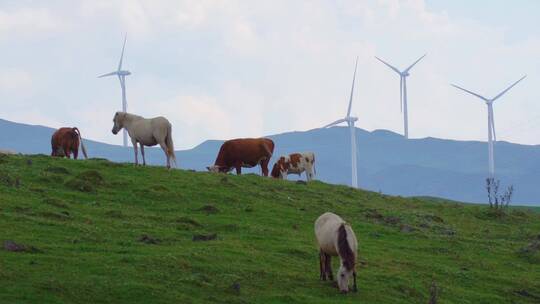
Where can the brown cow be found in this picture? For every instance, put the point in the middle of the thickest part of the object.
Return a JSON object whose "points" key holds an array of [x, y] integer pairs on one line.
{"points": [[65, 141], [243, 152]]}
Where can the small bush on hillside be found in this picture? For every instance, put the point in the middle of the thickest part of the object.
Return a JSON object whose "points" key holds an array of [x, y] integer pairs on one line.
{"points": [[496, 200]]}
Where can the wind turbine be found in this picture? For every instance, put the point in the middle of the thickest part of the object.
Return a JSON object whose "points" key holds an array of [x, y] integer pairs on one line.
{"points": [[492, 138], [122, 77], [350, 120], [403, 91]]}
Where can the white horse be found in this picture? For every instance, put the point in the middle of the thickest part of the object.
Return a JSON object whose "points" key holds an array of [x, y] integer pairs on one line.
{"points": [[146, 132], [336, 238]]}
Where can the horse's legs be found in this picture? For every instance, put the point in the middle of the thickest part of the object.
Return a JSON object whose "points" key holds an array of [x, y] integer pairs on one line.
{"points": [[238, 169], [328, 267], [322, 264], [134, 143], [355, 288], [142, 153], [164, 148]]}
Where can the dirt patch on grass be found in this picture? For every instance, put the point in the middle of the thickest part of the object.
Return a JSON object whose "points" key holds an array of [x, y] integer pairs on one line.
{"points": [[159, 188], [392, 220], [527, 294], [55, 202], [9, 180], [86, 181], [373, 214], [23, 210], [59, 216], [56, 170], [532, 251], [188, 222], [208, 209], [404, 228], [17, 247], [114, 214], [80, 185], [147, 239], [37, 189], [204, 237], [431, 218], [91, 176]]}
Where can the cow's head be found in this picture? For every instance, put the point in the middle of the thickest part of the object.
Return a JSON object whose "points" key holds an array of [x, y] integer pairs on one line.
{"points": [[59, 152], [281, 167], [118, 121], [218, 169], [213, 169], [276, 173]]}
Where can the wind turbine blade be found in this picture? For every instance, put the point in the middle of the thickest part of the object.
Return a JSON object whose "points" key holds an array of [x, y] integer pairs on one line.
{"points": [[122, 56], [335, 123], [388, 65], [503, 92], [401, 93], [352, 88], [410, 67], [477, 95], [109, 74]]}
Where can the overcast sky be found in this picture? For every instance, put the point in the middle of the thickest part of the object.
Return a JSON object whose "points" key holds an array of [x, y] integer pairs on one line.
{"points": [[226, 69]]}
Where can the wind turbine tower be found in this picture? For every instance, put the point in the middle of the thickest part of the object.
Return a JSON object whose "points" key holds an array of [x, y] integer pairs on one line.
{"points": [[122, 78], [492, 138], [350, 120], [403, 91]]}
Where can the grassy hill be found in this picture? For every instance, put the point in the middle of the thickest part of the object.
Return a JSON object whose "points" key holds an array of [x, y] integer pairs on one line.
{"points": [[102, 232]]}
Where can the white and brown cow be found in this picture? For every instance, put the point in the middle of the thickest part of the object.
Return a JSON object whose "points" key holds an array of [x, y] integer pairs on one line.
{"points": [[295, 163]]}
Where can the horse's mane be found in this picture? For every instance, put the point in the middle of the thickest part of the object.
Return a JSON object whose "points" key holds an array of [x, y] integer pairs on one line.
{"points": [[344, 250], [131, 116]]}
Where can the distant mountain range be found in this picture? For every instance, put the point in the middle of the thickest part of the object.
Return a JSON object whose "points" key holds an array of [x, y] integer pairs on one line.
{"points": [[387, 162]]}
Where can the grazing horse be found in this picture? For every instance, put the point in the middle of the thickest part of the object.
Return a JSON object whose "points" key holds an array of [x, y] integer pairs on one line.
{"points": [[67, 140], [295, 163], [243, 153], [336, 238], [146, 132]]}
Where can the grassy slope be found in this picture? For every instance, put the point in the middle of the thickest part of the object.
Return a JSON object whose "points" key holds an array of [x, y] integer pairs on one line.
{"points": [[91, 250]]}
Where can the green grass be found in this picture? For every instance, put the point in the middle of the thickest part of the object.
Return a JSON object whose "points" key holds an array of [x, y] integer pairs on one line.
{"points": [[87, 220]]}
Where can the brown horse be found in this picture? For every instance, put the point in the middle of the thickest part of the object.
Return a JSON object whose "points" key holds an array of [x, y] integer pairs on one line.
{"points": [[65, 141]]}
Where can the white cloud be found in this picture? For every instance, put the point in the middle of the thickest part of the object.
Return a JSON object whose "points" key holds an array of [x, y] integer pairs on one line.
{"points": [[15, 79], [27, 20]]}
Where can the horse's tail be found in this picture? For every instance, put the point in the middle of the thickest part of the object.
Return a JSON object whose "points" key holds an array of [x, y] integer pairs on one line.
{"points": [[82, 144], [170, 145]]}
